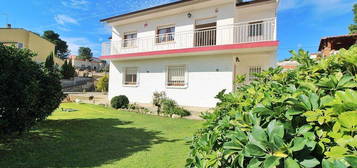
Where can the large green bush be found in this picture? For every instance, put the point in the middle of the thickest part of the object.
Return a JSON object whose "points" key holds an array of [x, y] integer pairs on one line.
{"points": [[120, 102], [28, 91], [305, 117]]}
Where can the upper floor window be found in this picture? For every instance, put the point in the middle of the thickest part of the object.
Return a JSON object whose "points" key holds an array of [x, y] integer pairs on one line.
{"points": [[165, 34], [253, 71], [129, 40], [176, 76], [131, 76], [255, 29]]}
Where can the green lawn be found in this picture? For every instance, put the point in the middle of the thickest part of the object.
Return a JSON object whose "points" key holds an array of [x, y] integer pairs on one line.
{"points": [[95, 136]]}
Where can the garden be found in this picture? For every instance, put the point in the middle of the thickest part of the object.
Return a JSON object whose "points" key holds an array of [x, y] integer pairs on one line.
{"points": [[97, 136], [301, 118]]}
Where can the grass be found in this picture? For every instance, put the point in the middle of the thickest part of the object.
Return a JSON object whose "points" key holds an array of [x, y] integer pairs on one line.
{"points": [[95, 136]]}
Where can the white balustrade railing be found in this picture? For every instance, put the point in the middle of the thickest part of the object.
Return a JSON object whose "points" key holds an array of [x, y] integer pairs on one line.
{"points": [[247, 32]]}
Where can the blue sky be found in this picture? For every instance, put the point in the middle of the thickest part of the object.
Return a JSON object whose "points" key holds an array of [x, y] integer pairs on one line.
{"points": [[301, 22]]}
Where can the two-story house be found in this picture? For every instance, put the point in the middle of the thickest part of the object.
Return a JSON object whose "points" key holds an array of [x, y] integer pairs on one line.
{"points": [[191, 49]]}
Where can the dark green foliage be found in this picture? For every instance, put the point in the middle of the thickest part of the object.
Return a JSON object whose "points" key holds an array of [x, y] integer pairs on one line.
{"points": [[61, 49], [300, 118], [353, 27], [120, 102], [85, 53], [50, 64], [29, 92], [67, 70]]}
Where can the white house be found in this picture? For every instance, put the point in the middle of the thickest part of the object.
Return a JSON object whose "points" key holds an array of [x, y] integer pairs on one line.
{"points": [[94, 64], [191, 49]]}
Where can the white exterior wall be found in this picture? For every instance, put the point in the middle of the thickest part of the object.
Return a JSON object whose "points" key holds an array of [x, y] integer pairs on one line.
{"points": [[204, 82], [184, 28], [85, 64], [264, 60], [255, 13]]}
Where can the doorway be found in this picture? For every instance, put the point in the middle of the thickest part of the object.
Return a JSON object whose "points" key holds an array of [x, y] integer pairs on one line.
{"points": [[205, 34]]}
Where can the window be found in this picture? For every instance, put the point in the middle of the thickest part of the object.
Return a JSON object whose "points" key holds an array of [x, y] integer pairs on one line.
{"points": [[131, 76], [20, 45], [252, 71], [255, 29], [165, 34], [129, 40], [176, 75]]}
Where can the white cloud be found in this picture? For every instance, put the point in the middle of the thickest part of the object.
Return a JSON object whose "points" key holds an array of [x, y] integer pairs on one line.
{"points": [[76, 4], [64, 19], [74, 43]]}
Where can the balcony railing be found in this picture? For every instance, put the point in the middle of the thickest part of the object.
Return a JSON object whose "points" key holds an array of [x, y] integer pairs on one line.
{"points": [[245, 32]]}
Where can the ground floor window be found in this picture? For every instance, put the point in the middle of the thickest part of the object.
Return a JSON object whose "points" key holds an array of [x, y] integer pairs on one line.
{"points": [[176, 75], [131, 76], [252, 71]]}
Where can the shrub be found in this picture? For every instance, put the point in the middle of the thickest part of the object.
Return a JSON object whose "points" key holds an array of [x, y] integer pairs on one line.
{"points": [[170, 107], [29, 91], [137, 108], [67, 70], [158, 97], [120, 102], [305, 117], [103, 83]]}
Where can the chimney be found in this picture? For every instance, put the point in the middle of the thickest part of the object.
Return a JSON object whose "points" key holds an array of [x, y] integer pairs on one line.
{"points": [[8, 26]]}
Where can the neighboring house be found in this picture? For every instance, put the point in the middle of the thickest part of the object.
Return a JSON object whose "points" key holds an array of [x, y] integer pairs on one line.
{"points": [[191, 49], [22, 38], [94, 64], [331, 45], [287, 65]]}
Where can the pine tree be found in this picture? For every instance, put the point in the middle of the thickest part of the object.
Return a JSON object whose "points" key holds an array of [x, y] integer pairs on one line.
{"points": [[71, 69], [49, 64], [64, 70]]}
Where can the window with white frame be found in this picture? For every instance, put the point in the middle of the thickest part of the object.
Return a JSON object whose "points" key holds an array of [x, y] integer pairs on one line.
{"points": [[131, 76], [129, 40], [165, 34], [252, 71], [256, 29], [176, 76]]}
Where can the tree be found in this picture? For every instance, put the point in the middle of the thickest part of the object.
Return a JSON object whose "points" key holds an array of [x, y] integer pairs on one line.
{"points": [[61, 49], [50, 64], [85, 53], [102, 84], [67, 70], [29, 92], [353, 27]]}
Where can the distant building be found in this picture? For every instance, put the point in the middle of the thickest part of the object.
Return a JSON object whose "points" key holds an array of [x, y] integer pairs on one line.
{"points": [[22, 38], [94, 64], [331, 45], [287, 65]]}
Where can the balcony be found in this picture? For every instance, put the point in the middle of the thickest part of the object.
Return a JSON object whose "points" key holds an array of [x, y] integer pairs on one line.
{"points": [[238, 33]]}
